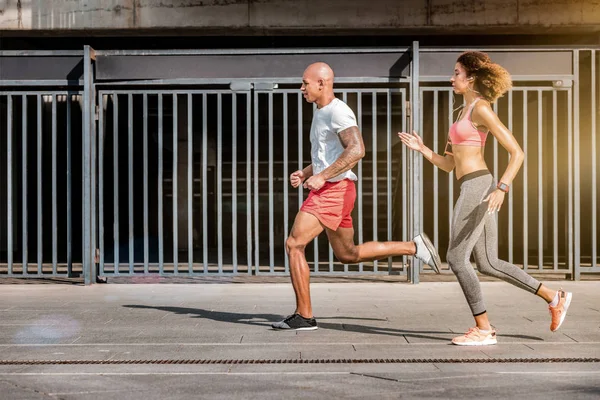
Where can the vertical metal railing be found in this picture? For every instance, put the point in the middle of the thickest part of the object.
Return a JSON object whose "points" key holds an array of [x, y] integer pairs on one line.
{"points": [[416, 165], [196, 190], [576, 170], [88, 171], [35, 125], [282, 117], [543, 112], [130, 176], [190, 158], [555, 179], [587, 90], [540, 178], [9, 183], [594, 155], [40, 193]]}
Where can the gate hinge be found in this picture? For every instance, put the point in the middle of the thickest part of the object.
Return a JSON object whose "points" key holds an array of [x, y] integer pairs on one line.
{"points": [[408, 110], [96, 113], [96, 256], [265, 86], [241, 86]]}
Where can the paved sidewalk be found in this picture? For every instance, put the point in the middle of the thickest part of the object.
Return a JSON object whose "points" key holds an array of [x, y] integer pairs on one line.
{"points": [[232, 322]]}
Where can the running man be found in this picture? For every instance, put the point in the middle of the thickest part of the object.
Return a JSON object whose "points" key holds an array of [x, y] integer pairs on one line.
{"points": [[336, 147]]}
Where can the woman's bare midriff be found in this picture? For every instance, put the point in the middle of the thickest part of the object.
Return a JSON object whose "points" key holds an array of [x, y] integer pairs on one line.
{"points": [[467, 159]]}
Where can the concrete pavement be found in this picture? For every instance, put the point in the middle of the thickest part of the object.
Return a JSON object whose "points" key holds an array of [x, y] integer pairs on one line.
{"points": [[228, 322]]}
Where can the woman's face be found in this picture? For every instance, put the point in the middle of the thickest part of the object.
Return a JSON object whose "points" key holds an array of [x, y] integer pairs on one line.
{"points": [[460, 81]]}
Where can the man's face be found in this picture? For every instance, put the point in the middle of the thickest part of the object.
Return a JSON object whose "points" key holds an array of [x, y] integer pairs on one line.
{"points": [[311, 88]]}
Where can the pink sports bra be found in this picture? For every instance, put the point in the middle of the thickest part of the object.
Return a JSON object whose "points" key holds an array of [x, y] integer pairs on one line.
{"points": [[463, 132]]}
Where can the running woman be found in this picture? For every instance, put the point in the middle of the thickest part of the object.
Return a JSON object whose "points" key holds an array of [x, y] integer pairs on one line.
{"points": [[473, 230]]}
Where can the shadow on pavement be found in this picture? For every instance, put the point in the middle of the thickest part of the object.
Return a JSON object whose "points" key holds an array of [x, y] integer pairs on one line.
{"points": [[265, 320]]}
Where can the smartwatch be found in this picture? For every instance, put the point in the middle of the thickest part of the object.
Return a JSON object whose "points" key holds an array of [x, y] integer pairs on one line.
{"points": [[503, 186]]}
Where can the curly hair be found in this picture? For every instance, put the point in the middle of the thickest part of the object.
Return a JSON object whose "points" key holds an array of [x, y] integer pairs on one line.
{"points": [[491, 79]]}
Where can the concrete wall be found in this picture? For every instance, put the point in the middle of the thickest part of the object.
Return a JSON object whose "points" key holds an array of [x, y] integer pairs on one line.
{"points": [[300, 16]]}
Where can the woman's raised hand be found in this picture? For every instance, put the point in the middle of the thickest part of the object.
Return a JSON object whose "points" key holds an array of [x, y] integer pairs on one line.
{"points": [[413, 142]]}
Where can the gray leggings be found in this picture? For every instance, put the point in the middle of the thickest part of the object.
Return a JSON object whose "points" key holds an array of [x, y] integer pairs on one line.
{"points": [[474, 231]]}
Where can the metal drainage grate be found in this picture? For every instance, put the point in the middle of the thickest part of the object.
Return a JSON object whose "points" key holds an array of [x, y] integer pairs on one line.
{"points": [[314, 361]]}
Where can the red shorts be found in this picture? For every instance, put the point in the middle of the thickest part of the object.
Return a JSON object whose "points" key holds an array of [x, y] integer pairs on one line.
{"points": [[332, 204]]}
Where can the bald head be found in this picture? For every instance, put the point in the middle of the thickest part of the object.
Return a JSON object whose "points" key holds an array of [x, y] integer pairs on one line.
{"points": [[319, 71], [317, 84]]}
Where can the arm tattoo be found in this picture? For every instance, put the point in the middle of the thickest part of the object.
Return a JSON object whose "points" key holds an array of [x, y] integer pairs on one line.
{"points": [[354, 150]]}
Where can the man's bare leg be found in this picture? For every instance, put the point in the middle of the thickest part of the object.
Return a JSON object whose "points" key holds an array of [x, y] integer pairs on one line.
{"points": [[342, 242], [306, 228]]}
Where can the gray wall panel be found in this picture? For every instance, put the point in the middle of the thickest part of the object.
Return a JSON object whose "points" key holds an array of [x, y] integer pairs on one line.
{"points": [[517, 63], [248, 66]]}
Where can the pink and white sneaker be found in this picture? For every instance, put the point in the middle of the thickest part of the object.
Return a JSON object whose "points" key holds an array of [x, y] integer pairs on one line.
{"points": [[475, 337], [559, 312]]}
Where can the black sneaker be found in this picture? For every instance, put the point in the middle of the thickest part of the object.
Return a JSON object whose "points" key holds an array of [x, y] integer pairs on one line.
{"points": [[296, 322]]}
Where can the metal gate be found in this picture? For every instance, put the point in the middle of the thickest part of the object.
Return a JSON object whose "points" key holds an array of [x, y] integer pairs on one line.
{"points": [[189, 175], [182, 186], [529, 226], [209, 162], [208, 193], [46, 137], [551, 110], [38, 198]]}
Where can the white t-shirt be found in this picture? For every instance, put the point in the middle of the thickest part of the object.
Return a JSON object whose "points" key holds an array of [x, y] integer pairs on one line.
{"points": [[326, 147]]}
